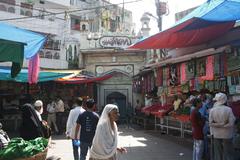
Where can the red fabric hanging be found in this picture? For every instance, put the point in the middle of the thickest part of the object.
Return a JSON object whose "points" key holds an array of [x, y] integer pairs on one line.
{"points": [[209, 69], [183, 75], [159, 79], [33, 69]]}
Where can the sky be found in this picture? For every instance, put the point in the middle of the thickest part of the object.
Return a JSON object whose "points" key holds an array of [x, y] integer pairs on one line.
{"points": [[138, 8]]}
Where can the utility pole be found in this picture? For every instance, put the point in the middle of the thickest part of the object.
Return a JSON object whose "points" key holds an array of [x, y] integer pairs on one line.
{"points": [[158, 9], [161, 8], [123, 17]]}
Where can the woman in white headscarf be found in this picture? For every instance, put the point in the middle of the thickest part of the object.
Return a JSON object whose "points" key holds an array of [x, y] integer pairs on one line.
{"points": [[104, 146]]}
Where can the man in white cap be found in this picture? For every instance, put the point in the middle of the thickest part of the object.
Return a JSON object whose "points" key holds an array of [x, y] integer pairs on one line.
{"points": [[221, 122], [38, 106]]}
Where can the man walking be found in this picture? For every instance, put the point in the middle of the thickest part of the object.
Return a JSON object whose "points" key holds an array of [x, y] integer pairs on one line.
{"points": [[87, 121], [221, 122], [59, 114], [51, 119], [197, 129], [71, 124]]}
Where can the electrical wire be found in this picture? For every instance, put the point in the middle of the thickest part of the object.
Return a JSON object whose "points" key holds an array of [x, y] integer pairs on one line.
{"points": [[73, 11]]}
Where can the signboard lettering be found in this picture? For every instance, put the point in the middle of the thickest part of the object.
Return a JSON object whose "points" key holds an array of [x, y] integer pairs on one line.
{"points": [[115, 42]]}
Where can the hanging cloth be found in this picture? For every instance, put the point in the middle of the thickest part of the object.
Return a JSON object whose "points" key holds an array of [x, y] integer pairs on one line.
{"points": [[159, 79], [33, 69], [209, 69], [183, 75]]}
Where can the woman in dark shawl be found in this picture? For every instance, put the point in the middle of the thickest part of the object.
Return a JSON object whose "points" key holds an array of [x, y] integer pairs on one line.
{"points": [[31, 127]]}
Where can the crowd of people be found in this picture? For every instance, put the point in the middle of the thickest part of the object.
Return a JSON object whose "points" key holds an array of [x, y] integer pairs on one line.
{"points": [[212, 116], [88, 132]]}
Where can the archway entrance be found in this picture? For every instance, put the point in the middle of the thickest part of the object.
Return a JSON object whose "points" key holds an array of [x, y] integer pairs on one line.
{"points": [[120, 100]]}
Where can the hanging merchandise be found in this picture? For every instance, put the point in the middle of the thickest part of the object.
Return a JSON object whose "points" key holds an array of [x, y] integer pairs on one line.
{"points": [[159, 78], [217, 65], [232, 89], [190, 69], [183, 75], [220, 85], [233, 59], [209, 69], [149, 83], [152, 82], [197, 84], [33, 69], [174, 75], [201, 67], [185, 88], [223, 65], [160, 91], [209, 85], [192, 84], [165, 76]]}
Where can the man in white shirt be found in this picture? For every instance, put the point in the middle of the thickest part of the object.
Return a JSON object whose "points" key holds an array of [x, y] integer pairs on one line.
{"points": [[60, 114], [71, 125], [221, 122], [51, 119]]}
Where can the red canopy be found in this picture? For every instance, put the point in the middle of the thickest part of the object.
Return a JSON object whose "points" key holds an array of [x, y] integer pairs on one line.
{"points": [[183, 35]]}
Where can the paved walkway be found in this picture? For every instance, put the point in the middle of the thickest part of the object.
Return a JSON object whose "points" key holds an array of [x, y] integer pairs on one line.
{"points": [[140, 144]]}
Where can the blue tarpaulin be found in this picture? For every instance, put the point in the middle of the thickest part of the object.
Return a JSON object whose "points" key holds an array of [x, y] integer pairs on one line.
{"points": [[33, 41], [207, 22]]}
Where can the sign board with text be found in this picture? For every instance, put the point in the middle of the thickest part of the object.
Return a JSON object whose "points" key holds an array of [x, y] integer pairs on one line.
{"points": [[115, 42]]}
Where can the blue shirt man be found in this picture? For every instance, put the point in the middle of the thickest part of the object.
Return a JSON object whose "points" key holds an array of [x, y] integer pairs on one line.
{"points": [[87, 121]]}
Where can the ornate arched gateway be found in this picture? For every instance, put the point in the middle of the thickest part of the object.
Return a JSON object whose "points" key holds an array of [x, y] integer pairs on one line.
{"points": [[120, 100], [118, 90]]}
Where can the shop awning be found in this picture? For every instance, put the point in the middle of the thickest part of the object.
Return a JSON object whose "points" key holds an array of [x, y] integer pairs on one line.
{"points": [[81, 80], [5, 75], [33, 41], [16, 44], [205, 23]]}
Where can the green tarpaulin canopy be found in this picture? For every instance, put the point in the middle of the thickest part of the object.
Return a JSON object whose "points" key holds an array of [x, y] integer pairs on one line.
{"points": [[13, 52]]}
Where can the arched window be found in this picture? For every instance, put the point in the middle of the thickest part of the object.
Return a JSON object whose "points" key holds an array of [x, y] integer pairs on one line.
{"points": [[48, 55], [22, 12], [28, 13], [75, 52], [70, 55], [66, 53], [41, 54], [11, 9], [56, 55], [84, 27], [3, 8]]}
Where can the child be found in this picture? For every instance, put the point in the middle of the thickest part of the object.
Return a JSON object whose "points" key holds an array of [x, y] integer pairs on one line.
{"points": [[197, 129]]}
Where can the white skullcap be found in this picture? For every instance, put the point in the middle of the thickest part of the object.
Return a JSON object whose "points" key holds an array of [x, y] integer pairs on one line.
{"points": [[220, 98], [38, 103], [192, 97]]}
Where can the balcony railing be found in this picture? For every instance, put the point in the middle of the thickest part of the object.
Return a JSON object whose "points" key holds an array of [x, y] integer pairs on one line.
{"points": [[25, 9], [49, 54]]}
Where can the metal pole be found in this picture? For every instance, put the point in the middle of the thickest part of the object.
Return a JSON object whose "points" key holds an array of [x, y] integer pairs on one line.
{"points": [[158, 9], [123, 16]]}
